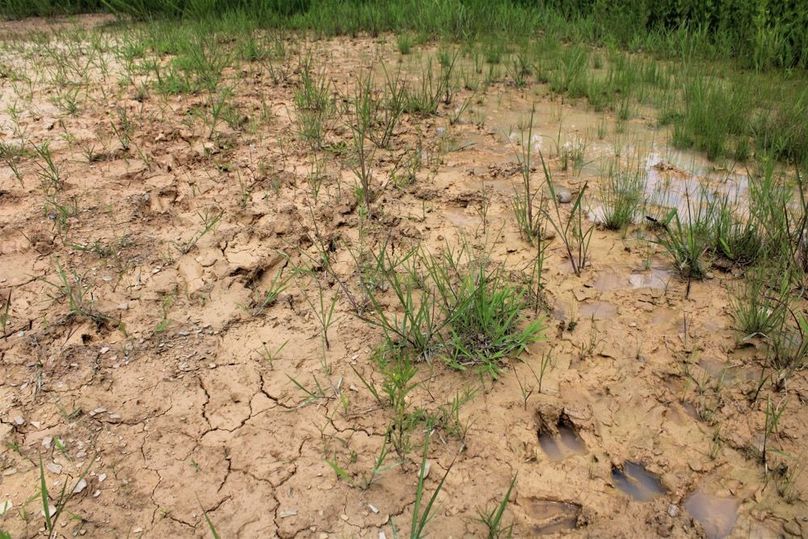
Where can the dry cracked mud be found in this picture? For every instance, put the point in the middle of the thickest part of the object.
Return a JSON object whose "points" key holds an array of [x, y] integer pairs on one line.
{"points": [[135, 346]]}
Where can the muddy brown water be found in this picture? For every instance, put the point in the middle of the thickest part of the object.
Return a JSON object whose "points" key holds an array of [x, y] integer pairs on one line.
{"points": [[637, 482], [565, 443], [717, 515]]}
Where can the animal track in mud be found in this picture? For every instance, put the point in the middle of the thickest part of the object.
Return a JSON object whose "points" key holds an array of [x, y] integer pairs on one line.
{"points": [[637, 482], [715, 514], [559, 439], [552, 516]]}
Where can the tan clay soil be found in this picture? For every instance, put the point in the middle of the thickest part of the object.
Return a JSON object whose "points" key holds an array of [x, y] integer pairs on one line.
{"points": [[168, 395]]}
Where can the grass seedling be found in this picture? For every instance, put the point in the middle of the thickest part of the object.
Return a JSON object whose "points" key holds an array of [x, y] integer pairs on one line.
{"points": [[79, 295], [399, 373], [528, 213], [165, 307], [49, 175], [688, 241], [124, 129], [421, 515], [11, 155], [386, 113], [217, 108], [312, 395], [418, 326], [368, 383], [404, 43], [5, 316], [492, 519], [324, 312], [211, 527], [773, 415], [314, 104], [789, 345], [622, 197], [379, 467], [571, 229], [210, 218], [271, 355], [737, 240], [485, 319], [53, 509], [572, 154], [757, 308], [428, 95], [362, 164], [276, 287]]}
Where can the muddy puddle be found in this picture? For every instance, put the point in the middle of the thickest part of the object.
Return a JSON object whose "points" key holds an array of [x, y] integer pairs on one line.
{"points": [[637, 482], [461, 218], [597, 310], [611, 280], [716, 515], [674, 179], [562, 444]]}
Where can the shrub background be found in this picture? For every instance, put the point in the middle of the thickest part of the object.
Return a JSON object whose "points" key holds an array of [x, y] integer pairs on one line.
{"points": [[760, 33]]}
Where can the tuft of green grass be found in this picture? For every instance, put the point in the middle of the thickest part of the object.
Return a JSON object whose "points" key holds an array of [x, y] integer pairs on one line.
{"points": [[485, 324], [571, 229], [688, 238], [453, 305], [404, 43], [422, 512], [736, 239], [623, 197], [758, 308], [492, 519], [529, 214], [315, 105]]}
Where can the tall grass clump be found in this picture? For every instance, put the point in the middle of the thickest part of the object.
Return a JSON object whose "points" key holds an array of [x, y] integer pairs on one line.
{"points": [[688, 238], [453, 305], [737, 237], [760, 304], [622, 196], [484, 314]]}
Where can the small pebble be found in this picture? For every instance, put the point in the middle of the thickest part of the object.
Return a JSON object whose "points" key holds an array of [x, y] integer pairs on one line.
{"points": [[673, 510], [80, 486], [564, 196]]}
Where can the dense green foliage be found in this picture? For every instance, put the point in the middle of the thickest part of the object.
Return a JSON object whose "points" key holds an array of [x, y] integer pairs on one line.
{"points": [[762, 33]]}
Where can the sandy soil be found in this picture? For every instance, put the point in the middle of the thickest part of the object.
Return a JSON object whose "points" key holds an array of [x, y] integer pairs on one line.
{"points": [[161, 387]]}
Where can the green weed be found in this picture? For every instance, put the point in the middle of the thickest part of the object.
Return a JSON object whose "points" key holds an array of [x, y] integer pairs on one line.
{"points": [[623, 197], [492, 519]]}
